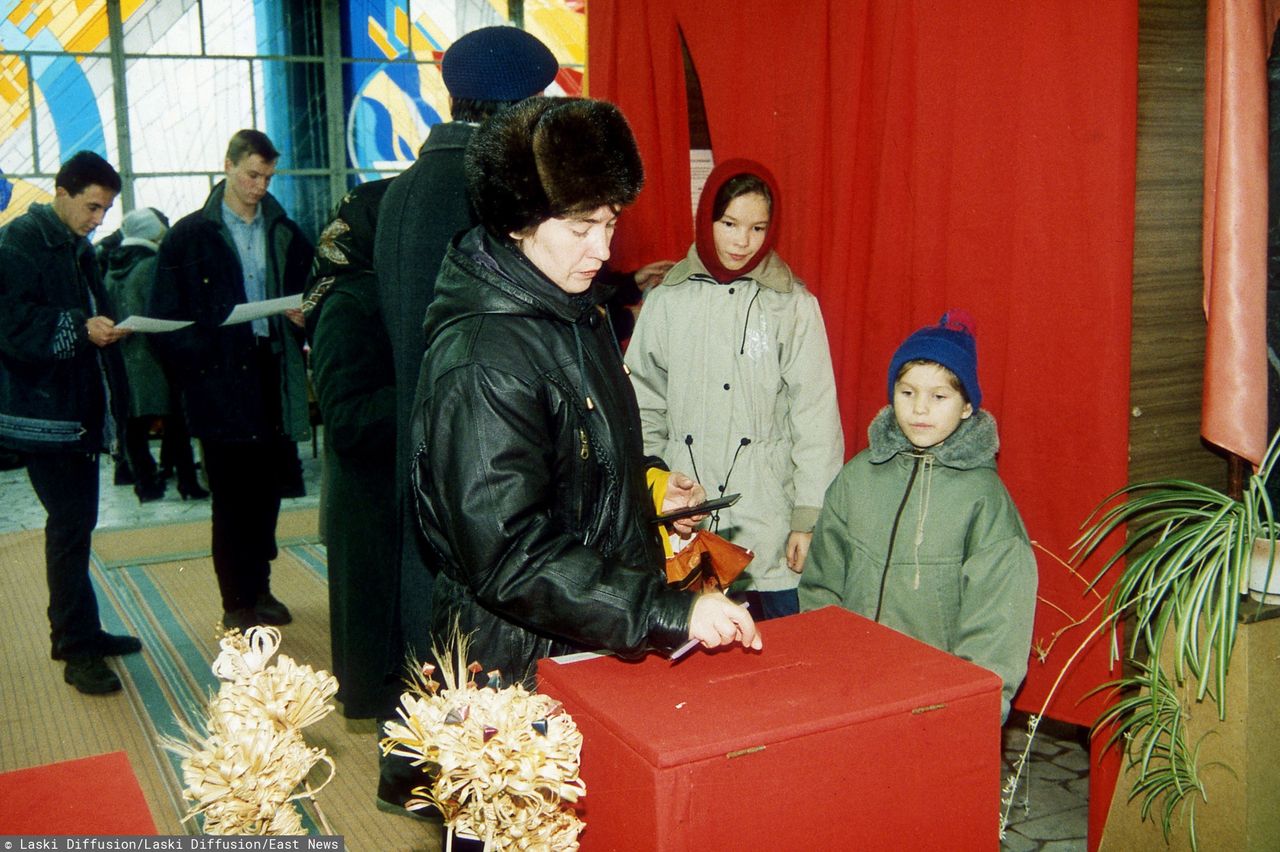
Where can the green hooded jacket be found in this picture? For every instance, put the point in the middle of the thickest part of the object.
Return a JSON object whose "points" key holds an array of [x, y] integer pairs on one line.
{"points": [[960, 574]]}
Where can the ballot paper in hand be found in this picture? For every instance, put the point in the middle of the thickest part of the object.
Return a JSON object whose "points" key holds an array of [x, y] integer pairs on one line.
{"points": [[257, 310], [150, 324]]}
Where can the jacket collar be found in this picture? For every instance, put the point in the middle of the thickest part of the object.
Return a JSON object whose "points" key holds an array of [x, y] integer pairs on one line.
{"points": [[54, 231], [974, 443], [212, 210], [486, 275], [772, 273], [448, 134]]}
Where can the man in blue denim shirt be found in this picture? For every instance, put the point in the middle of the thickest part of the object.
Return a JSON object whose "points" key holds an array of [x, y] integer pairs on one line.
{"points": [[243, 385]]}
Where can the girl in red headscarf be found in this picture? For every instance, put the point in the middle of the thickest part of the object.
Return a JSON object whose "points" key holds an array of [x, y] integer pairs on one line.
{"points": [[732, 372]]}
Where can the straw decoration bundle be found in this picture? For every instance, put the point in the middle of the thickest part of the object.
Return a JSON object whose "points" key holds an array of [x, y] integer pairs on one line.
{"points": [[241, 773], [501, 763]]}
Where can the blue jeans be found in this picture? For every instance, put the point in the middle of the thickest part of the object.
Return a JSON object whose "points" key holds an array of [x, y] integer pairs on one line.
{"points": [[767, 605]]}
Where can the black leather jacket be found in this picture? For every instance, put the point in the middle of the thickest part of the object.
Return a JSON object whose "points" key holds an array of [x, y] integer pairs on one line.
{"points": [[529, 471]]}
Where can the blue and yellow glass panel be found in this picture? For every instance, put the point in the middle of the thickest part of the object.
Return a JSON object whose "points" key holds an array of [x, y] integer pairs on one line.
{"points": [[394, 88], [395, 103], [73, 94]]}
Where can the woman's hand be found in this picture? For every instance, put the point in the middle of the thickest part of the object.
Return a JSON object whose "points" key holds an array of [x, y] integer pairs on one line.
{"points": [[652, 273], [682, 491], [798, 549], [717, 621]]}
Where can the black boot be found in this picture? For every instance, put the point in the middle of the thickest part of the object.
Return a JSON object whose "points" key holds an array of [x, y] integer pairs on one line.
{"points": [[189, 487], [149, 488]]}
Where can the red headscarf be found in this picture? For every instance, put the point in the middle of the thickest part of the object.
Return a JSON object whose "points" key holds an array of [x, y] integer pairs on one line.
{"points": [[703, 224]]}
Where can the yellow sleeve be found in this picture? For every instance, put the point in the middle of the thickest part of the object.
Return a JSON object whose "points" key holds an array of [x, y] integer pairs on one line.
{"points": [[657, 479]]}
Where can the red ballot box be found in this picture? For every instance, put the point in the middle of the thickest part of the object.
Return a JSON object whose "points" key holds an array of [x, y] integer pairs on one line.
{"points": [[840, 734]]}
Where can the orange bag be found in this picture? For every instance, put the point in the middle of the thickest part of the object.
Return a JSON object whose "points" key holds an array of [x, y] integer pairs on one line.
{"points": [[708, 562]]}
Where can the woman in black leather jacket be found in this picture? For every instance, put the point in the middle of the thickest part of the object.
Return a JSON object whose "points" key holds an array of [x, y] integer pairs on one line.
{"points": [[531, 483]]}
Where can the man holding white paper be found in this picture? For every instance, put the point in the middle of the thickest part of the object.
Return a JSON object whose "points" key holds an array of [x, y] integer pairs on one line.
{"points": [[62, 385], [243, 383]]}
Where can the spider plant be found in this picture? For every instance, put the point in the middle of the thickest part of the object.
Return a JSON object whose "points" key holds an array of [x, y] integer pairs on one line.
{"points": [[1186, 559], [1150, 719]]}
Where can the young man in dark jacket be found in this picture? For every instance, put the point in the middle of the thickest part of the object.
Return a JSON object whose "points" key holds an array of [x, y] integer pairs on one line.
{"points": [[244, 384], [62, 393]]}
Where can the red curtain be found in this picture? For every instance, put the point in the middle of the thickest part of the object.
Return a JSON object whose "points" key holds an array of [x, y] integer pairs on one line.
{"points": [[931, 155]]}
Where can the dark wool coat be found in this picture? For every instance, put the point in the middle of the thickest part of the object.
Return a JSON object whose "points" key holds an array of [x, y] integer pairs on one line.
{"points": [[421, 211], [56, 388], [355, 386], [199, 278], [538, 510], [131, 273]]}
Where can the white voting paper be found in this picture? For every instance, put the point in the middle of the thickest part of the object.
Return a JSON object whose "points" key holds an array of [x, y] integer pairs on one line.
{"points": [[257, 310], [138, 323]]}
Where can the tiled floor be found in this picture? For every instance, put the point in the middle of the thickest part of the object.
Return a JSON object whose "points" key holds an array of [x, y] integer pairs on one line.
{"points": [[118, 507], [1053, 818], [1050, 809]]}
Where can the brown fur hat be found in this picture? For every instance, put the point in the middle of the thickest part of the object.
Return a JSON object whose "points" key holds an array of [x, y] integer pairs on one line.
{"points": [[548, 157]]}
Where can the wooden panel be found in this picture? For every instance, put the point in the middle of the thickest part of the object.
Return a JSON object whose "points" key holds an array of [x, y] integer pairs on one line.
{"points": [[1168, 320]]}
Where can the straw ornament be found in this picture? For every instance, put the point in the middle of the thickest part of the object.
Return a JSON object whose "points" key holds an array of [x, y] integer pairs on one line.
{"points": [[500, 764], [242, 771]]}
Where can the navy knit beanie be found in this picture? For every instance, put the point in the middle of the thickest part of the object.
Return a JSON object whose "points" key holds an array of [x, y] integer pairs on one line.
{"points": [[950, 343], [497, 64]]}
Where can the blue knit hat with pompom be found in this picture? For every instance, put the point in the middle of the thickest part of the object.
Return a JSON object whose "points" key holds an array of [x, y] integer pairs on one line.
{"points": [[950, 343]]}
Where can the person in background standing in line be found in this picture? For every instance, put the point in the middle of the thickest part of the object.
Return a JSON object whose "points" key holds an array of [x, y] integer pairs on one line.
{"points": [[62, 396], [484, 71], [103, 249], [355, 386], [131, 274], [244, 385]]}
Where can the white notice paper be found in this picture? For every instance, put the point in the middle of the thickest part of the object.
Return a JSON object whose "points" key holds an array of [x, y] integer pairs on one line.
{"points": [[257, 310], [138, 323]]}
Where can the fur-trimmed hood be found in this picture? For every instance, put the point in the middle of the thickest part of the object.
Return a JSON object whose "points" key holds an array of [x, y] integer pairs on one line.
{"points": [[974, 444], [546, 157]]}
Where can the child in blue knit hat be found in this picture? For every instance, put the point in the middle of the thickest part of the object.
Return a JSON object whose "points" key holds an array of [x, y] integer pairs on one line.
{"points": [[917, 531]]}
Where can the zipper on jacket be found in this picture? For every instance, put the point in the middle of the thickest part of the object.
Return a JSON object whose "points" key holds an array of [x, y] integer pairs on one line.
{"points": [[585, 451], [893, 534]]}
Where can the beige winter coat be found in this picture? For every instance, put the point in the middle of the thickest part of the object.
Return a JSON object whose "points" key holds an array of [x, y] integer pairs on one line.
{"points": [[734, 380]]}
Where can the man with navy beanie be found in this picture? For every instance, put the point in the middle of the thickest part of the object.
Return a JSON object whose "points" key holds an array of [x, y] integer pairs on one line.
{"points": [[484, 71]]}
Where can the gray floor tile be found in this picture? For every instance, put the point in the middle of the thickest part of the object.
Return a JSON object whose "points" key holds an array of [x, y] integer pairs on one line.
{"points": [[118, 506], [1015, 842], [1073, 845], [1063, 825], [1074, 760]]}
